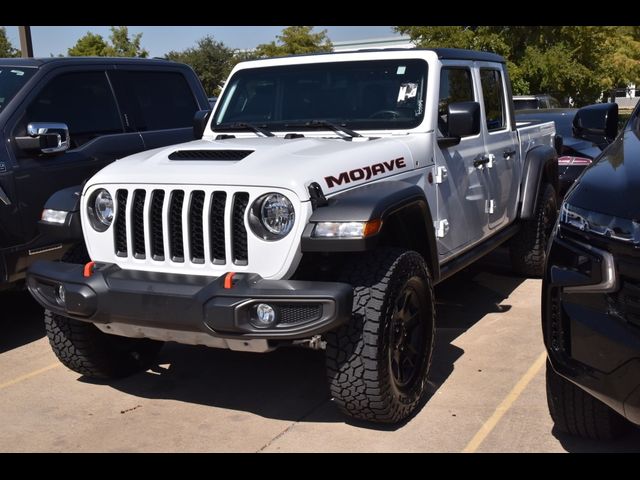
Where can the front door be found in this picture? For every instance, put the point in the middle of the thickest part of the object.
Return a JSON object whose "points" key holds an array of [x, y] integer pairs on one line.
{"points": [[85, 102], [461, 186]]}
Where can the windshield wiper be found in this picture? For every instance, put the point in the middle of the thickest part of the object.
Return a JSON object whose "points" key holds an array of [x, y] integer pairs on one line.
{"points": [[244, 126], [327, 124]]}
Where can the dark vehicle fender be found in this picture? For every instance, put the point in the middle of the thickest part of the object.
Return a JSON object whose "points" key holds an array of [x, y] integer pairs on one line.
{"points": [[541, 162], [66, 200], [403, 209]]}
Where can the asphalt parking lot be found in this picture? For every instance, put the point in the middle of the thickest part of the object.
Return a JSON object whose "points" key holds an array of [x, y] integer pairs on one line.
{"points": [[487, 389]]}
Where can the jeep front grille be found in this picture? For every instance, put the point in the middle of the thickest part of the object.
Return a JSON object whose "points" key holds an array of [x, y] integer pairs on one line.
{"points": [[180, 226]]}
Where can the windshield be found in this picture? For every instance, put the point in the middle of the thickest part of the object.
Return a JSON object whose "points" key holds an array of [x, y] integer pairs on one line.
{"points": [[378, 94], [11, 80]]}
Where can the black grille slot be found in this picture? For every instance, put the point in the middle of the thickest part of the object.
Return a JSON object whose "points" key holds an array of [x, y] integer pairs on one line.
{"points": [[230, 155], [176, 249], [137, 223], [120, 223], [196, 240], [155, 229], [239, 232], [295, 313], [216, 227]]}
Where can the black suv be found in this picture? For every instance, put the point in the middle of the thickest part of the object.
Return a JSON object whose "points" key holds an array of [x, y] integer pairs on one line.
{"points": [[62, 120], [591, 292]]}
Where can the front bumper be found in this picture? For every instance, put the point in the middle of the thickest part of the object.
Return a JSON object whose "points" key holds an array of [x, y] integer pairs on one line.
{"points": [[190, 303], [591, 319]]}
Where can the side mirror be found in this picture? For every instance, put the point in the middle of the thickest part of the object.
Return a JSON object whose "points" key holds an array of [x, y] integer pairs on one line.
{"points": [[45, 137], [463, 119], [597, 123], [200, 122]]}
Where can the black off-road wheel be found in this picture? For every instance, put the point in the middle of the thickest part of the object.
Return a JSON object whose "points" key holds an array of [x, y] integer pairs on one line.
{"points": [[576, 412], [81, 347], [529, 246], [377, 364]]}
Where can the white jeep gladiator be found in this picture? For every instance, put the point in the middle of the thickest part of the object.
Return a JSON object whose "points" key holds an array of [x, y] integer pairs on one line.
{"points": [[325, 197]]}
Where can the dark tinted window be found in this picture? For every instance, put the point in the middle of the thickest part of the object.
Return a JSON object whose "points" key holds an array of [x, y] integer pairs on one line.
{"points": [[360, 94], [11, 80], [521, 104], [455, 86], [493, 95], [83, 101], [162, 99]]}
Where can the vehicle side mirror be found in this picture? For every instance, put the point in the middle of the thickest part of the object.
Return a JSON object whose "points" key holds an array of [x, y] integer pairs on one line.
{"points": [[45, 137], [463, 119], [200, 122], [597, 123]]}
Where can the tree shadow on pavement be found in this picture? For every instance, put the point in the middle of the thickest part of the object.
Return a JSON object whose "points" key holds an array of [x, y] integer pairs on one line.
{"points": [[290, 383], [21, 320], [627, 444]]}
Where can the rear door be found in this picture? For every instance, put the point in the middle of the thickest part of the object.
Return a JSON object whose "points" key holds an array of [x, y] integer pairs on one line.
{"points": [[503, 169], [159, 104], [462, 189], [83, 99]]}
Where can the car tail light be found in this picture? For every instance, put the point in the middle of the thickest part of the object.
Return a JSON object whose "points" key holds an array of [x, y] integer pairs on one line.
{"points": [[568, 160]]}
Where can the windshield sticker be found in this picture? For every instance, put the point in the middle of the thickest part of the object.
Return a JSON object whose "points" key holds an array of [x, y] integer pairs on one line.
{"points": [[18, 72], [401, 70]]}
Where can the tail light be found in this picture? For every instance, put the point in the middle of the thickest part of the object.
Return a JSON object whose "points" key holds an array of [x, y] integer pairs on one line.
{"points": [[568, 160]]}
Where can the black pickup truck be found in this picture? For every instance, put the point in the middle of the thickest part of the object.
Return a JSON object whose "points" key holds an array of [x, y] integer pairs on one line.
{"points": [[62, 120]]}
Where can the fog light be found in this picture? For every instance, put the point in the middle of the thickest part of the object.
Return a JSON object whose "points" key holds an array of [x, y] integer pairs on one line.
{"points": [[60, 295], [265, 315]]}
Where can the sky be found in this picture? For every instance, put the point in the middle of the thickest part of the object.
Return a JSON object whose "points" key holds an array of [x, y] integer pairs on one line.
{"points": [[160, 40]]}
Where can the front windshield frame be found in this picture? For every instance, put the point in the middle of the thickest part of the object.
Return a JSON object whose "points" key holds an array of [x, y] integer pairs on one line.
{"points": [[19, 76], [338, 85]]}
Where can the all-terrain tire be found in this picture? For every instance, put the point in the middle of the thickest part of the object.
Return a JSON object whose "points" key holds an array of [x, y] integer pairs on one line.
{"points": [[392, 327], [576, 412], [84, 349], [529, 246]]}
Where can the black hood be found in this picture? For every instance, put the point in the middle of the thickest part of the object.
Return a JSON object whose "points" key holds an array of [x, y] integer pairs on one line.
{"points": [[612, 184]]}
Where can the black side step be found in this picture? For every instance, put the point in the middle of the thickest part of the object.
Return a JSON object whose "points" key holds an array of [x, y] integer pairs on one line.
{"points": [[474, 253]]}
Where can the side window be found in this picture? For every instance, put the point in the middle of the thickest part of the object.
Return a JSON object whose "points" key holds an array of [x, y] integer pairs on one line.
{"points": [[493, 95], [162, 99], [455, 86], [83, 101]]}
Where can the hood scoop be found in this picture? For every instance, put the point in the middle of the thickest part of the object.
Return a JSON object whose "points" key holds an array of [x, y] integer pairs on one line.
{"points": [[224, 155]]}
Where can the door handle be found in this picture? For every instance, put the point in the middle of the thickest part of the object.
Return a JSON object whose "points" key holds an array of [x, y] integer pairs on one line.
{"points": [[508, 153], [484, 160], [480, 162]]}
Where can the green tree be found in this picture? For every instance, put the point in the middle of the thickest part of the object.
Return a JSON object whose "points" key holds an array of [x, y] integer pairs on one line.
{"points": [[120, 45], [124, 46], [566, 61], [89, 45], [211, 60], [296, 40], [6, 49]]}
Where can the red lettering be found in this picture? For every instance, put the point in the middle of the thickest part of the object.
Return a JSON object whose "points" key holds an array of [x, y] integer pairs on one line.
{"points": [[377, 168], [332, 181], [356, 174]]}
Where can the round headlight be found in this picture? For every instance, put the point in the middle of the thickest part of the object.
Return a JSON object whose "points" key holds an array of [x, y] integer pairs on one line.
{"points": [[103, 206], [277, 214]]}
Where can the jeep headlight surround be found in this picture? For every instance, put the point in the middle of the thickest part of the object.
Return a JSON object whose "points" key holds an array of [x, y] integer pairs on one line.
{"points": [[100, 210], [601, 224], [272, 216]]}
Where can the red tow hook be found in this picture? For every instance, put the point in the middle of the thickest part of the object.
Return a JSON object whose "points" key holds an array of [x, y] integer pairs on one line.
{"points": [[88, 269], [228, 280]]}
